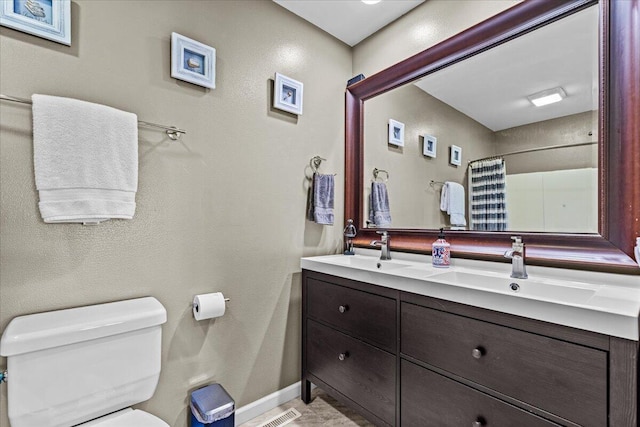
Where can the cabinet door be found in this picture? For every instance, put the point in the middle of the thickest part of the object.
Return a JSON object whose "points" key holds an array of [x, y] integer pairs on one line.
{"points": [[361, 372], [565, 379], [429, 399], [363, 315]]}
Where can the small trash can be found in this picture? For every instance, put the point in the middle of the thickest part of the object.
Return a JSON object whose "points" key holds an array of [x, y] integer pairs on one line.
{"points": [[212, 406]]}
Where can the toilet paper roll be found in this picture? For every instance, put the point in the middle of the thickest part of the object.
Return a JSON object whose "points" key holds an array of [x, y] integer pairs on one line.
{"points": [[208, 306]]}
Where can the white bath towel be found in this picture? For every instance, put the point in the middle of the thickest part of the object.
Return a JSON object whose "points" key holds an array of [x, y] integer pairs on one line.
{"points": [[452, 202], [85, 160]]}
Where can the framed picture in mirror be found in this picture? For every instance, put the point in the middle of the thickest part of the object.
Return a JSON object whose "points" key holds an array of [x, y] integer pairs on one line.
{"points": [[396, 133], [429, 145], [456, 155]]}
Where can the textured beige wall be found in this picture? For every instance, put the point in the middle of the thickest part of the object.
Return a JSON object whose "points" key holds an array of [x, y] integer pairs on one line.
{"points": [[222, 210], [428, 24], [573, 129], [413, 202]]}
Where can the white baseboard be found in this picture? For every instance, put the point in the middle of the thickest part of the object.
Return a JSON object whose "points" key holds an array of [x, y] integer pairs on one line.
{"points": [[267, 403]]}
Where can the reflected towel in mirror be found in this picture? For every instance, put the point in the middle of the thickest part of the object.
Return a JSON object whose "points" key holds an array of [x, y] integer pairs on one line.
{"points": [[452, 202], [379, 213]]}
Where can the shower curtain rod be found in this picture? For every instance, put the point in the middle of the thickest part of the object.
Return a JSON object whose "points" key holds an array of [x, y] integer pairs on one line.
{"points": [[173, 132], [531, 150]]}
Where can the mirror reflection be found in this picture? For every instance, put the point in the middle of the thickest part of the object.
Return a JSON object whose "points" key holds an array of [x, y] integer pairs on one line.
{"points": [[472, 132]]}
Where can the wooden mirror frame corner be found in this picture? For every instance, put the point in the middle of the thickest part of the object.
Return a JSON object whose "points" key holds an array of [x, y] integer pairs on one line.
{"points": [[611, 250]]}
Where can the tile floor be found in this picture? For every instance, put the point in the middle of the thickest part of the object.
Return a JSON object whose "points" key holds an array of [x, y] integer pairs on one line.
{"points": [[323, 410]]}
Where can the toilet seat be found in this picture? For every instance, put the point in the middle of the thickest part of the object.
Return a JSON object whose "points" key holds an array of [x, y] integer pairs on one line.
{"points": [[127, 418]]}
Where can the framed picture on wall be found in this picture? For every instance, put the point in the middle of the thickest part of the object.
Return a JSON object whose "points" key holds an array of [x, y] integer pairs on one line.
{"points": [[287, 94], [49, 19], [456, 155], [396, 133], [193, 61], [429, 145]]}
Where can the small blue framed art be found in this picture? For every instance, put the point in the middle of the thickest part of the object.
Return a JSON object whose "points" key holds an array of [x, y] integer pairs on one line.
{"points": [[430, 143], [49, 19], [193, 61], [456, 155], [287, 94], [396, 133]]}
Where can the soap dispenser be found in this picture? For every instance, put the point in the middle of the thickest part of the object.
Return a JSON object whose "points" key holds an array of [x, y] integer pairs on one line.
{"points": [[441, 251]]}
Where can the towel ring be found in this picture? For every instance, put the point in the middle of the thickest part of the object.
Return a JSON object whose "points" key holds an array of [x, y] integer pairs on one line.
{"points": [[315, 163], [376, 171]]}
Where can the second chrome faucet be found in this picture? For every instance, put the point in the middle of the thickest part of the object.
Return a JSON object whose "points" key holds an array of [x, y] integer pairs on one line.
{"points": [[516, 254], [385, 244]]}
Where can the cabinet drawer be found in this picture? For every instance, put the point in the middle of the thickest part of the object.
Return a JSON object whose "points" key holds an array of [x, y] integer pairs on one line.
{"points": [[429, 399], [565, 379], [361, 314], [363, 373]]}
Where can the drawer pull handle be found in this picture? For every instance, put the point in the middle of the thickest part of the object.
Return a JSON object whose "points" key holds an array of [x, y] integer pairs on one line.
{"points": [[479, 422], [343, 308], [477, 352], [343, 356]]}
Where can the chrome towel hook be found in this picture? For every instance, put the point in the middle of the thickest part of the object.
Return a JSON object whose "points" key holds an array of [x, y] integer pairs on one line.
{"points": [[376, 171], [315, 163]]}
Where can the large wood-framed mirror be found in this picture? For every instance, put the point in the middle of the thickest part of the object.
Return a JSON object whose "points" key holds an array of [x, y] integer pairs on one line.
{"points": [[618, 194]]}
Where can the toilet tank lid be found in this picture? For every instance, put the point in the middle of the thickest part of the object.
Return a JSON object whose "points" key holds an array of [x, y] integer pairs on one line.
{"points": [[34, 332]]}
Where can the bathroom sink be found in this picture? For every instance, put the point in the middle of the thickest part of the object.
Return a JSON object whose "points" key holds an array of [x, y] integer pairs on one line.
{"points": [[545, 289], [369, 263], [590, 301]]}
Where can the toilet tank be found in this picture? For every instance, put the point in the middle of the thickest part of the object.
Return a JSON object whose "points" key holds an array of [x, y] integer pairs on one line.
{"points": [[69, 366]]}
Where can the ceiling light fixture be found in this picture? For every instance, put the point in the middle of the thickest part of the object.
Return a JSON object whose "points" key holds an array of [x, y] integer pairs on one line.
{"points": [[371, 1], [548, 96]]}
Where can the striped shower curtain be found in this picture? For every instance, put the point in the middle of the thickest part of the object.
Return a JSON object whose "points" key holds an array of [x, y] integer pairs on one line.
{"points": [[487, 195]]}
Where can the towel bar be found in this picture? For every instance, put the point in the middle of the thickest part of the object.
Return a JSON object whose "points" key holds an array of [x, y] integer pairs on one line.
{"points": [[172, 132]]}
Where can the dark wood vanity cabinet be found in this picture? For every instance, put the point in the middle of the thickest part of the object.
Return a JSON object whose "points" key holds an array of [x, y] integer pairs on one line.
{"points": [[349, 344], [547, 373], [430, 399], [402, 359]]}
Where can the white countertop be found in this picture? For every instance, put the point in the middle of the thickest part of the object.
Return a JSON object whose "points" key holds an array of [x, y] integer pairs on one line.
{"points": [[598, 302]]}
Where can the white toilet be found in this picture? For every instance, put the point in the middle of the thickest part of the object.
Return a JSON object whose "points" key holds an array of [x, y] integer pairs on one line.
{"points": [[84, 366]]}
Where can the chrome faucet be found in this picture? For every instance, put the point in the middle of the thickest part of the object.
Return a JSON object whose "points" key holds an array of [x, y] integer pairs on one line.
{"points": [[516, 254], [384, 243]]}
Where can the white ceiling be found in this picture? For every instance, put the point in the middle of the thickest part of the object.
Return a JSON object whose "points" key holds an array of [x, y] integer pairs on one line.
{"points": [[349, 20], [563, 54]]}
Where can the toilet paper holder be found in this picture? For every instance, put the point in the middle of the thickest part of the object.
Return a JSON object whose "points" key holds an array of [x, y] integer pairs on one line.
{"points": [[209, 306], [194, 305]]}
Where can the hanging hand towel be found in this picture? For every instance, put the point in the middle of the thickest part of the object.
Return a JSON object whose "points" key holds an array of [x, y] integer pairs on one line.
{"points": [[379, 213], [452, 202], [323, 199], [85, 160]]}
